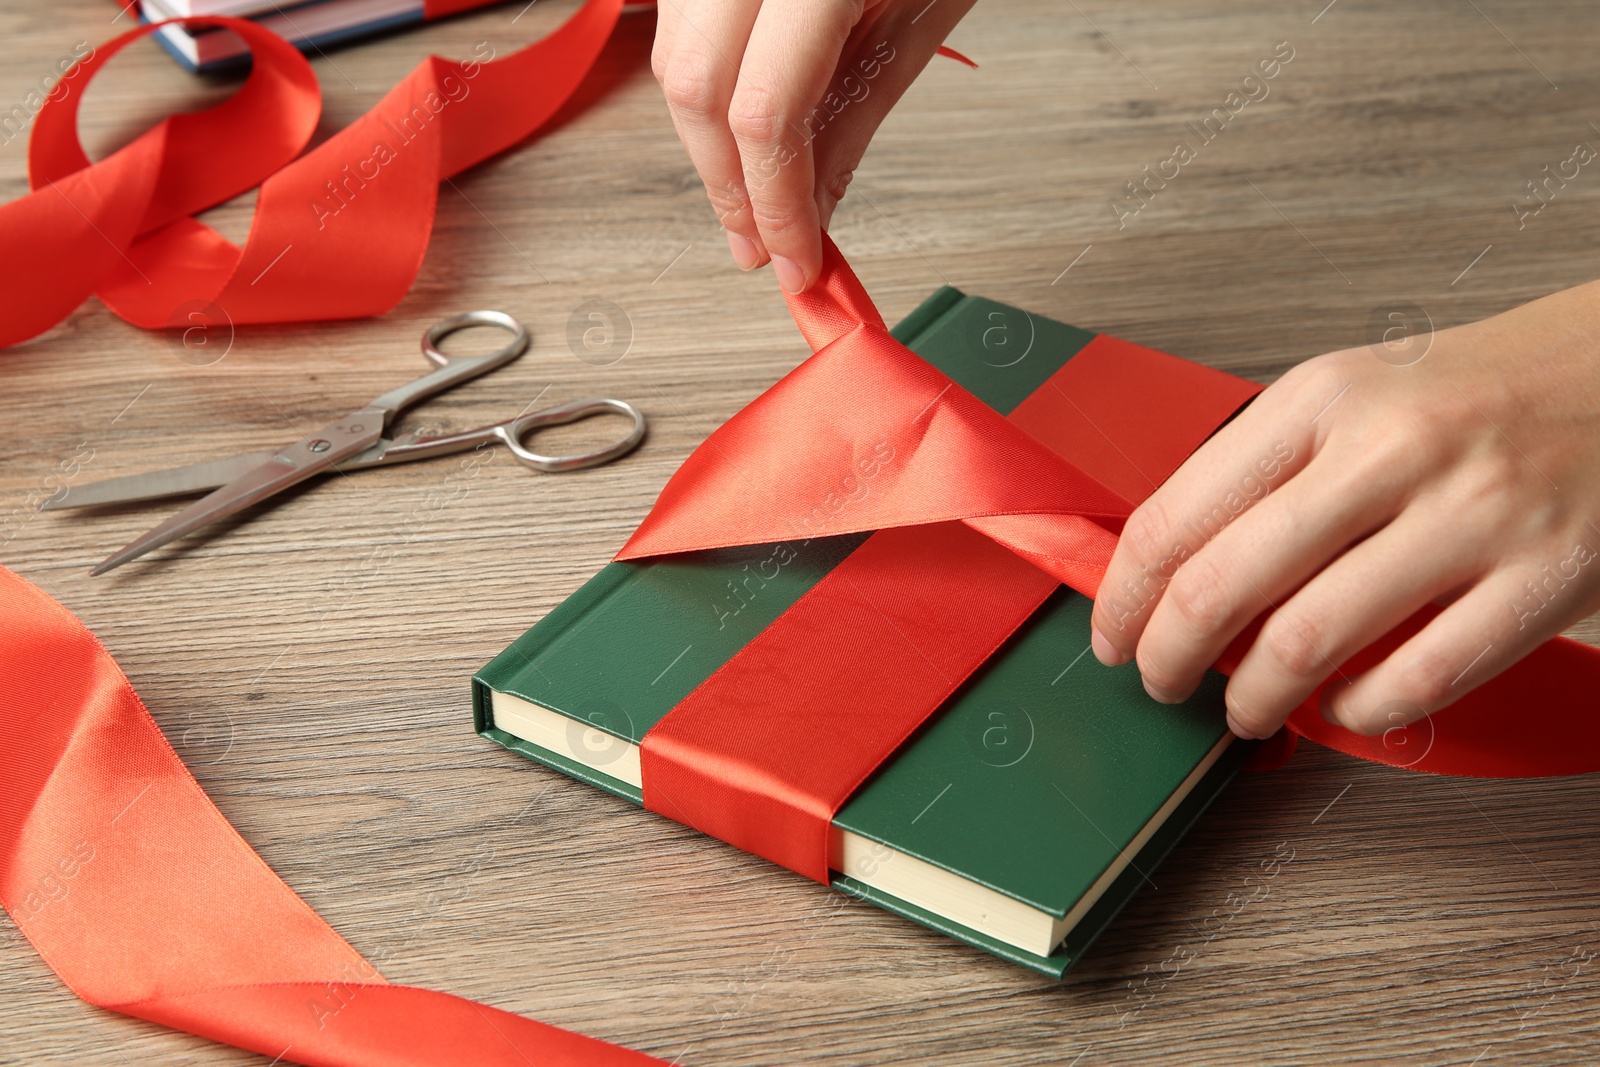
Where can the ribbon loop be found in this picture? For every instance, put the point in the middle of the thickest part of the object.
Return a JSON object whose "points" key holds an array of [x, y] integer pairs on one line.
{"points": [[339, 232], [791, 463], [836, 305]]}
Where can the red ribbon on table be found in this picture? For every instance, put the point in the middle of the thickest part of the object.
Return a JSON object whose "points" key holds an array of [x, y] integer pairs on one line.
{"points": [[978, 517], [145, 901], [339, 232], [92, 793]]}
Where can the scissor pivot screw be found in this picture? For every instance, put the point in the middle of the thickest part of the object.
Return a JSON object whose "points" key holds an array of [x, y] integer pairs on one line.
{"points": [[319, 446]]}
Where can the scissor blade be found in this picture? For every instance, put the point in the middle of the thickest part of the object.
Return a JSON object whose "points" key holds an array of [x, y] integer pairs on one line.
{"points": [[153, 485], [354, 433], [193, 478]]}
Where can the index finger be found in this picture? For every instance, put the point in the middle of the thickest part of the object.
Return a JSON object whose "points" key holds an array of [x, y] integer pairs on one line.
{"points": [[793, 51], [698, 49], [1268, 443]]}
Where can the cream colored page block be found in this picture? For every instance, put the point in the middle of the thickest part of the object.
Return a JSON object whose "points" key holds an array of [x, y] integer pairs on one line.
{"points": [[912, 880], [556, 733]]}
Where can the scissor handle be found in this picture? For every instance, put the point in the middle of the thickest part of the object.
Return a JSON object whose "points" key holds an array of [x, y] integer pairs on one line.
{"points": [[444, 328], [453, 370], [410, 447], [514, 430]]}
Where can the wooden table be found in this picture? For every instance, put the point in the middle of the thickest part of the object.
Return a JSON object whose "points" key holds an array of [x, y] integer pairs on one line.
{"points": [[311, 663]]}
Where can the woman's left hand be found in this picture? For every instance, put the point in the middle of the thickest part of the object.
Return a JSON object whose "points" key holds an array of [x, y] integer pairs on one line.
{"points": [[1353, 492]]}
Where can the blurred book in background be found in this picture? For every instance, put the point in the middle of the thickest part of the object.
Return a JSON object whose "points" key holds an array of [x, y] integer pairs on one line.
{"points": [[311, 26]]}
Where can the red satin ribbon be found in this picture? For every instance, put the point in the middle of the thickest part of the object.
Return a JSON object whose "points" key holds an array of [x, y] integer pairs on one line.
{"points": [[978, 517], [766, 751], [141, 896], [113, 862], [764, 470], [338, 233]]}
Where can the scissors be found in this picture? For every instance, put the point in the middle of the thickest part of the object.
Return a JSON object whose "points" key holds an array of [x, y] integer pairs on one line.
{"points": [[355, 442]]}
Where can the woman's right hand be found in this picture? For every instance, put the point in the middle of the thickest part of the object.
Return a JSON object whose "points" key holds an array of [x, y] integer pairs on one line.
{"points": [[776, 103]]}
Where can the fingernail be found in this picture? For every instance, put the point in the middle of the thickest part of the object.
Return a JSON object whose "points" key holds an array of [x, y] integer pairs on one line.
{"points": [[790, 276], [1239, 730], [1104, 650], [1325, 702], [745, 252], [1161, 695]]}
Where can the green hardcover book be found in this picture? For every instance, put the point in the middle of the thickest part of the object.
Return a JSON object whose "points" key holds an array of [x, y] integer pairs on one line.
{"points": [[1022, 816]]}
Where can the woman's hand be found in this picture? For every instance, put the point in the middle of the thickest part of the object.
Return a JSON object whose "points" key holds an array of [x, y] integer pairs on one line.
{"points": [[776, 103], [1352, 493]]}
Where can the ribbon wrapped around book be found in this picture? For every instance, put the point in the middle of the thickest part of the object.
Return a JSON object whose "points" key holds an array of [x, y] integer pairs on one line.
{"points": [[978, 517]]}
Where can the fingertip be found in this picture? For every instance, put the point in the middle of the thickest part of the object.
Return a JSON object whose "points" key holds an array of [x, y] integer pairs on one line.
{"points": [[1246, 731], [1356, 725], [1242, 722], [746, 253], [1335, 708], [1163, 696], [1104, 651], [791, 275], [1325, 706]]}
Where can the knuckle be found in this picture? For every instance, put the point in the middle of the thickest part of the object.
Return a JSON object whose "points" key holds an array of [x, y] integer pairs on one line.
{"points": [[1409, 434], [660, 56], [1146, 531], [835, 187], [755, 115], [1381, 457], [1496, 477], [1319, 378], [728, 201], [1201, 596], [846, 15], [1294, 645], [778, 216], [1111, 617], [688, 81]]}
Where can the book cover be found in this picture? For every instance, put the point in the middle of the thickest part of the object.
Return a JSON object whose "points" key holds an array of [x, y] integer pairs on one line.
{"points": [[1022, 816], [310, 25]]}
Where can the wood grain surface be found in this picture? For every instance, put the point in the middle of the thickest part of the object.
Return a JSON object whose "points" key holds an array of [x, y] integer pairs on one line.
{"points": [[310, 661]]}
